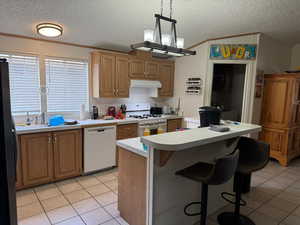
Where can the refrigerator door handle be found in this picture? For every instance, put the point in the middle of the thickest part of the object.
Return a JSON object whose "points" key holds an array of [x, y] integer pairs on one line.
{"points": [[15, 140]]}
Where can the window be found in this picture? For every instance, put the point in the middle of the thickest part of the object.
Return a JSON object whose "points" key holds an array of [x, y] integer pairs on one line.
{"points": [[24, 83], [67, 85]]}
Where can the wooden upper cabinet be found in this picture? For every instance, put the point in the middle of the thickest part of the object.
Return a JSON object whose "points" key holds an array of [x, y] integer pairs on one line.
{"points": [[137, 69], [37, 158], [276, 102], [107, 75], [122, 77], [166, 77], [151, 70]]}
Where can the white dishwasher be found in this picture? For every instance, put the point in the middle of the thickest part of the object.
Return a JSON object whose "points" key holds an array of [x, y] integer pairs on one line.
{"points": [[99, 148]]}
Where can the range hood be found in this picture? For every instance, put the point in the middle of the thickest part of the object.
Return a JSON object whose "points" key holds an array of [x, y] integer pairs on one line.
{"points": [[150, 86], [145, 84]]}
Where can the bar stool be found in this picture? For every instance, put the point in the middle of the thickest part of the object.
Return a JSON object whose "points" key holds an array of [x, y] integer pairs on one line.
{"points": [[254, 155], [215, 173]]}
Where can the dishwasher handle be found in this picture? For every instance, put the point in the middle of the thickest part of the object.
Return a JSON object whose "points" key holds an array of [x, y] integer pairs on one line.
{"points": [[100, 129]]}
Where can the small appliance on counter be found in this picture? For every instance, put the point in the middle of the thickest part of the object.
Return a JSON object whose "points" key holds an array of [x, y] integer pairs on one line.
{"points": [[209, 115], [111, 111], [156, 111], [167, 110], [95, 113]]}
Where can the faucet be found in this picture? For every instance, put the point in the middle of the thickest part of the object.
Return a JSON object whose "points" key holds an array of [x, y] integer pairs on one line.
{"points": [[28, 120], [43, 118]]}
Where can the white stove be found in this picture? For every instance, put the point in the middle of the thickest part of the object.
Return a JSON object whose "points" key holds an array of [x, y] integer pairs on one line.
{"points": [[151, 122]]}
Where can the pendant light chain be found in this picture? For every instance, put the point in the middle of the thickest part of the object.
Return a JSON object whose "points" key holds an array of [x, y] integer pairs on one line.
{"points": [[171, 8], [161, 7]]}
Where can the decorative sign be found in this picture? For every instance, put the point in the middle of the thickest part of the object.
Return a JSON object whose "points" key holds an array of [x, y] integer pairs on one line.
{"points": [[233, 52], [193, 85]]}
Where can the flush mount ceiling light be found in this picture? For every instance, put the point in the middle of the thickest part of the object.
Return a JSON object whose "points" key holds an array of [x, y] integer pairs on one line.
{"points": [[167, 44], [49, 29]]}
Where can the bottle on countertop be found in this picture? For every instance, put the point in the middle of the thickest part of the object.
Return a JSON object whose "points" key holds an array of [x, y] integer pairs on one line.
{"points": [[95, 113], [146, 132], [160, 130]]}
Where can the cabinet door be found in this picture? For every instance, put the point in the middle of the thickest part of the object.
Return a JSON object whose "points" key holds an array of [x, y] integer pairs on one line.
{"points": [[137, 69], [37, 158], [107, 75], [122, 77], [152, 70], [174, 124], [166, 76], [67, 153], [19, 182], [276, 103]]}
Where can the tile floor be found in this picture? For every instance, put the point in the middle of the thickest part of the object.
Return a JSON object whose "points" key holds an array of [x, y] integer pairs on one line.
{"points": [[88, 200], [92, 200]]}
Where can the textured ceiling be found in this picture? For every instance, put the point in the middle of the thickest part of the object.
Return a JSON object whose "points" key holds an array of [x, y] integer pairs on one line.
{"points": [[118, 23]]}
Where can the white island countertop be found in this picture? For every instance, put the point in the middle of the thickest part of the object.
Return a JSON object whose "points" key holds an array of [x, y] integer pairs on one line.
{"points": [[180, 140]]}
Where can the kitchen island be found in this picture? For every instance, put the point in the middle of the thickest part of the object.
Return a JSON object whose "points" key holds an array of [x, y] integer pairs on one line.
{"points": [[149, 191]]}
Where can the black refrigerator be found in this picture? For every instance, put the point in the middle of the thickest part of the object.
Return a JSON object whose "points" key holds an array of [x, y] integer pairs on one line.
{"points": [[8, 152]]}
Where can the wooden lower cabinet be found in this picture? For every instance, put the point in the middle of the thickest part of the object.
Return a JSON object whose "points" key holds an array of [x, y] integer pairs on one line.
{"points": [[174, 124], [132, 187], [125, 131], [67, 146], [37, 158], [19, 181], [284, 143], [47, 157]]}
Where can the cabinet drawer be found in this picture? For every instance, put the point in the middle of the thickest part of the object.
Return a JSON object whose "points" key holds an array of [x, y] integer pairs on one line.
{"points": [[127, 131]]}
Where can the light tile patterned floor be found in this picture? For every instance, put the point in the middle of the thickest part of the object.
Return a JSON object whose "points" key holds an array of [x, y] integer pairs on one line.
{"points": [[92, 200], [88, 200]]}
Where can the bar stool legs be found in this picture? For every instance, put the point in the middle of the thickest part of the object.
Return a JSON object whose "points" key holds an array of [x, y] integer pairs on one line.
{"points": [[204, 195], [235, 218]]}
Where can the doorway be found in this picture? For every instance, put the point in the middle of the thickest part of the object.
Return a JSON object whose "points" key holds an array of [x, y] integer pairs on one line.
{"points": [[228, 90]]}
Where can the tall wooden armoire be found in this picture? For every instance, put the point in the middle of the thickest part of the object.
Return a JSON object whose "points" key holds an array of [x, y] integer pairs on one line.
{"points": [[280, 116]]}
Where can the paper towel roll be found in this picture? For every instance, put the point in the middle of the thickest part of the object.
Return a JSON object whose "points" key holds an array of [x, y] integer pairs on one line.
{"points": [[82, 112]]}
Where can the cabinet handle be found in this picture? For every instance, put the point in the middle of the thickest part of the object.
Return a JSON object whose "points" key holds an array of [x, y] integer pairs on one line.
{"points": [[49, 140], [55, 138], [117, 92]]}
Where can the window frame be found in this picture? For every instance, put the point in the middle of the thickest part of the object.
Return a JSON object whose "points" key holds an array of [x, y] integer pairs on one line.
{"points": [[14, 53], [65, 113], [42, 78]]}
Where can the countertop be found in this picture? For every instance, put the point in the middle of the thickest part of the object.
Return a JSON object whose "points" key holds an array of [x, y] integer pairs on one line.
{"points": [[180, 140], [81, 124], [134, 145]]}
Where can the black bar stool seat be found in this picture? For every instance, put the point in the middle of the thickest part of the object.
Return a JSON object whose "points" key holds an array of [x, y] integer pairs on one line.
{"points": [[216, 173], [254, 155]]}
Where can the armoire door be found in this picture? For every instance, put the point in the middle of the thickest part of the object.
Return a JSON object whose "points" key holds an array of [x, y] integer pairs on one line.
{"points": [[276, 104]]}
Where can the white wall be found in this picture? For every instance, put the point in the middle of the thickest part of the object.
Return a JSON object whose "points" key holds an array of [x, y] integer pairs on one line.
{"points": [[295, 59], [273, 57], [43, 49], [198, 66]]}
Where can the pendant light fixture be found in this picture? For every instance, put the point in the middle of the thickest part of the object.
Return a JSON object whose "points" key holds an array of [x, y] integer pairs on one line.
{"points": [[167, 44], [49, 29]]}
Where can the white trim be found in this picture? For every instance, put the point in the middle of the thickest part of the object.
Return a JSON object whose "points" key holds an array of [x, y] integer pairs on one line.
{"points": [[248, 97], [150, 186]]}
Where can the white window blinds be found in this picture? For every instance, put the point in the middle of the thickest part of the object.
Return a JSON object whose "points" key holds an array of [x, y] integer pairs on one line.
{"points": [[24, 83], [67, 84]]}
